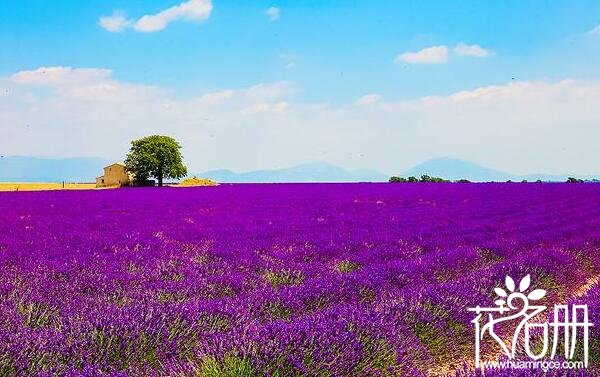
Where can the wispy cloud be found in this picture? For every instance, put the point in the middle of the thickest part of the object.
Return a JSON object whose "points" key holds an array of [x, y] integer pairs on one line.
{"points": [[273, 13], [441, 54], [472, 50], [270, 91], [595, 31], [215, 98], [115, 23], [290, 60], [60, 76], [91, 106], [368, 99], [86, 84], [430, 55], [192, 10], [267, 107]]}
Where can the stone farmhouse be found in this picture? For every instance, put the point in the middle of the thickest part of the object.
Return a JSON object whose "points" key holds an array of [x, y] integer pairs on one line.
{"points": [[114, 175]]}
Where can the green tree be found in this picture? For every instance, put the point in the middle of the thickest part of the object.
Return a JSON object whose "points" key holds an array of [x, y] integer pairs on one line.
{"points": [[155, 156], [574, 180], [396, 179]]}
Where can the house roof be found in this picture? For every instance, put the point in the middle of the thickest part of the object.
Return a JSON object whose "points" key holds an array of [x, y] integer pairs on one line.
{"points": [[116, 163]]}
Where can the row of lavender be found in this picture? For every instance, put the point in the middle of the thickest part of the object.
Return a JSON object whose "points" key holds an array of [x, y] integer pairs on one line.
{"points": [[362, 279]]}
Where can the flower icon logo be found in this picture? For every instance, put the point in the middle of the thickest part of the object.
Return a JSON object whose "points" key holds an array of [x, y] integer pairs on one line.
{"points": [[519, 310], [524, 284]]}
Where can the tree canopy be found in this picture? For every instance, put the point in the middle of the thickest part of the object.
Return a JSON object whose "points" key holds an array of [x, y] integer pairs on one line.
{"points": [[156, 157], [424, 178]]}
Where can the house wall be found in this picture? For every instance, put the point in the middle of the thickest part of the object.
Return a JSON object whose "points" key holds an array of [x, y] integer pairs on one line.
{"points": [[114, 175]]}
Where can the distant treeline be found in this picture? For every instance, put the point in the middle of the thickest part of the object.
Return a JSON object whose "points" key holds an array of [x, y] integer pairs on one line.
{"points": [[430, 179], [424, 178]]}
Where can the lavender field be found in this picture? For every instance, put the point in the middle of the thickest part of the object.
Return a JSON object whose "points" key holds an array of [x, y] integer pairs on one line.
{"points": [[280, 280]]}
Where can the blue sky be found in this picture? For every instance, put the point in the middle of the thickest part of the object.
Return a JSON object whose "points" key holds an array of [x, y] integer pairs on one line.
{"points": [[340, 48], [329, 54]]}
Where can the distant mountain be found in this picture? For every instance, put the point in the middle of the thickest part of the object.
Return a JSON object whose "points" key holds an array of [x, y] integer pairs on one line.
{"points": [[310, 172], [33, 169], [453, 169], [86, 169]]}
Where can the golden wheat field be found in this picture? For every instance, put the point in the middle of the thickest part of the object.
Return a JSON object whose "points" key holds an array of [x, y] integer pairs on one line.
{"points": [[40, 186]]}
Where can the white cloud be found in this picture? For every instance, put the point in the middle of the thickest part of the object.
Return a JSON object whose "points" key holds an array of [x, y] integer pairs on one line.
{"points": [[110, 91], [368, 99], [595, 31], [215, 98], [92, 84], [537, 126], [439, 54], [262, 96], [115, 23], [273, 13], [191, 10], [60, 76], [472, 50], [275, 107], [290, 61], [270, 91], [430, 55]]}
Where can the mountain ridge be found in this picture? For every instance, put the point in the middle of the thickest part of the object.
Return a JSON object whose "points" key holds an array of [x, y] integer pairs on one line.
{"points": [[308, 172], [41, 169], [454, 169], [85, 169]]}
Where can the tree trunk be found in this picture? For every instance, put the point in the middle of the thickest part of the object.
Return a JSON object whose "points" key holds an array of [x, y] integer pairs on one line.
{"points": [[160, 180]]}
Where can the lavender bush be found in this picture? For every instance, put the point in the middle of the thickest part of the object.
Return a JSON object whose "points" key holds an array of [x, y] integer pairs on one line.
{"points": [[278, 280]]}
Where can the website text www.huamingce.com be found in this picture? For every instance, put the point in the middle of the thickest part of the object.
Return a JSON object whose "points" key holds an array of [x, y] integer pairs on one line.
{"points": [[543, 365]]}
